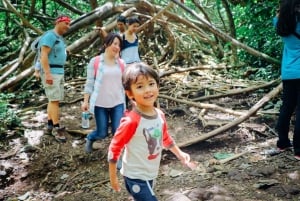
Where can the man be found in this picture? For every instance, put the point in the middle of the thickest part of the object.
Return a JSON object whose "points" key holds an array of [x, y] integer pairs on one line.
{"points": [[121, 27], [52, 58]]}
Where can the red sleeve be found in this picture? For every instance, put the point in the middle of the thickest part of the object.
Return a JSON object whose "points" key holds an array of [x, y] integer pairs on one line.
{"points": [[123, 135], [167, 139]]}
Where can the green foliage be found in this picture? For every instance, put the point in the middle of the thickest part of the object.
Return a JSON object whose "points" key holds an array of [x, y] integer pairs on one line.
{"points": [[255, 28], [8, 117]]}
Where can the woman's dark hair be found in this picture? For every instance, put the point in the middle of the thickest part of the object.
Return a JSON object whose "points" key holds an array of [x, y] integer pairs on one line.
{"points": [[133, 71], [288, 17], [132, 20], [121, 19], [109, 39]]}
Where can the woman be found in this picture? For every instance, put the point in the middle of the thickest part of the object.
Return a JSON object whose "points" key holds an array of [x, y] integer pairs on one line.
{"points": [[288, 27], [103, 92], [130, 47]]}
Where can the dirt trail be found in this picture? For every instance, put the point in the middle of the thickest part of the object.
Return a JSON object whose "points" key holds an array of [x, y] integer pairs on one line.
{"points": [[36, 167]]}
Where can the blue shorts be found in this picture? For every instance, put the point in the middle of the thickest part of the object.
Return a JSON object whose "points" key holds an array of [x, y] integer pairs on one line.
{"points": [[140, 190]]}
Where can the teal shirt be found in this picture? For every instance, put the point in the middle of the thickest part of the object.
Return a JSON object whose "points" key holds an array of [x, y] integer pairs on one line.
{"points": [[58, 54], [290, 64]]}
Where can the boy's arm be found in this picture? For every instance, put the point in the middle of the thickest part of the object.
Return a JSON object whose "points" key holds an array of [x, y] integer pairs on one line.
{"points": [[182, 156], [122, 136], [114, 182]]}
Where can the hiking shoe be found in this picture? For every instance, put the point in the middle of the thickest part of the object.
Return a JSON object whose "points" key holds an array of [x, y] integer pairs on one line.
{"points": [[89, 146], [59, 134], [275, 151], [297, 157], [287, 148], [284, 149], [49, 129]]}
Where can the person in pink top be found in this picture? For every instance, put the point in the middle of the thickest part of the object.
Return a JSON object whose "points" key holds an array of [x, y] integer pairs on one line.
{"points": [[103, 90], [142, 134]]}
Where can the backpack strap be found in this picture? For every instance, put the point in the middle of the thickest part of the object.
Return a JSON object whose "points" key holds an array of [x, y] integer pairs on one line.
{"points": [[96, 65], [121, 64], [97, 61]]}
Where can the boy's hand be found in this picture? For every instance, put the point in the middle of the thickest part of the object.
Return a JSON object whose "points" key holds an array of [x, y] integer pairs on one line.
{"points": [[192, 165], [186, 160], [115, 184], [184, 157]]}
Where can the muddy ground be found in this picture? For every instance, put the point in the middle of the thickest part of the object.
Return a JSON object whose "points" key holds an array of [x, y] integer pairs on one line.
{"points": [[34, 166]]}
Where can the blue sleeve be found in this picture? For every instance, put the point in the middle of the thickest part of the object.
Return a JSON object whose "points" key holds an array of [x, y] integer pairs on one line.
{"points": [[275, 20], [90, 77], [48, 39]]}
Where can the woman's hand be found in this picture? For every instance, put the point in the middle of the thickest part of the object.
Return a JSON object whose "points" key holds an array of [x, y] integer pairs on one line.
{"points": [[84, 106]]}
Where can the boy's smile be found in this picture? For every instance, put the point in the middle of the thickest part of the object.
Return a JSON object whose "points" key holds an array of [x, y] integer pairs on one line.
{"points": [[144, 91]]}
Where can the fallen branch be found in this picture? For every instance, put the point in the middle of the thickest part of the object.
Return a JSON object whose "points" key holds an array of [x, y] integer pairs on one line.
{"points": [[200, 67], [79, 132], [204, 105], [44, 105], [237, 91], [237, 121], [232, 157]]}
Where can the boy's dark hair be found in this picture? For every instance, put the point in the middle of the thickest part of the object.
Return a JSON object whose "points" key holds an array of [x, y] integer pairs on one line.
{"points": [[132, 20], [109, 39], [121, 19], [133, 71], [288, 17]]}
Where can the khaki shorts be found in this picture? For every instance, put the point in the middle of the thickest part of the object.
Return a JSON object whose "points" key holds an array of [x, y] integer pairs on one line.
{"points": [[54, 92]]}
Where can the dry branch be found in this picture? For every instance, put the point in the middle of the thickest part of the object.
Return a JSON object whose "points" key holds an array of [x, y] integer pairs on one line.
{"points": [[226, 37], [238, 91], [233, 157], [20, 59], [25, 22], [204, 105], [237, 121], [182, 70]]}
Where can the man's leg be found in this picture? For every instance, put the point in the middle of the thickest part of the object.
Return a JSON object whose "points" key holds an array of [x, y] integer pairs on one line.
{"points": [[55, 93], [50, 122], [53, 112]]}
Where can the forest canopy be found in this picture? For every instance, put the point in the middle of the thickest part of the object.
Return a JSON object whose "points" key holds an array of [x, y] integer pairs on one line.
{"points": [[236, 34]]}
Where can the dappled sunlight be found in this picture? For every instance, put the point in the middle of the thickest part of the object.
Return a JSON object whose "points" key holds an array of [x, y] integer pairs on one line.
{"points": [[76, 143], [40, 116], [36, 120], [23, 157], [6, 164], [33, 136]]}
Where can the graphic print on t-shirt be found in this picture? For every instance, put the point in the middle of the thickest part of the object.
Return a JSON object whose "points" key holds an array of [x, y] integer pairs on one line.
{"points": [[153, 139]]}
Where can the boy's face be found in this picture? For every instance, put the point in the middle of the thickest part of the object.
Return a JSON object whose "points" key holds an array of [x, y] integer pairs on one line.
{"points": [[144, 91]]}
